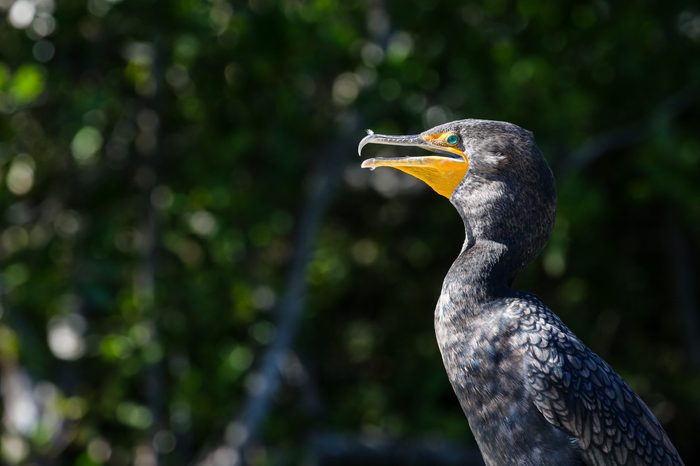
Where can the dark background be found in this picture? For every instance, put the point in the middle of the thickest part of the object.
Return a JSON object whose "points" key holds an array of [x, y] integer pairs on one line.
{"points": [[196, 270]]}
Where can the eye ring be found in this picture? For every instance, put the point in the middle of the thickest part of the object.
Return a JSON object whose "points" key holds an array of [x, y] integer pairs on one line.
{"points": [[452, 139]]}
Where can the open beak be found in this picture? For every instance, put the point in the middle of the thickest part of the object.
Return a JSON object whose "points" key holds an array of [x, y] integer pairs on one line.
{"points": [[442, 171]]}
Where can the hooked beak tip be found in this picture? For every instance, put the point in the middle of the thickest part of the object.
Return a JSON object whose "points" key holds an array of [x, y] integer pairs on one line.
{"points": [[364, 141]]}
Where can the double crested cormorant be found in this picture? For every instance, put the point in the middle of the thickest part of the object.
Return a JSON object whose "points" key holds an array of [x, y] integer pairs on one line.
{"points": [[533, 393]]}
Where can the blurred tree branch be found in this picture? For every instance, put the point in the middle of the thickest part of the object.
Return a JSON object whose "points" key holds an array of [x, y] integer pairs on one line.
{"points": [[265, 379], [152, 109], [627, 135]]}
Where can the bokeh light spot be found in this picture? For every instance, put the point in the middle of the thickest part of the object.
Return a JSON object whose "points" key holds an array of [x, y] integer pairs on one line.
{"points": [[20, 176], [65, 336], [86, 142], [99, 450], [134, 415], [203, 223], [43, 51], [346, 88], [365, 252], [21, 14], [164, 441]]}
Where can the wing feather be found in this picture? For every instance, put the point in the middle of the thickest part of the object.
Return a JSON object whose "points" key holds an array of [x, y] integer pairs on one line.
{"points": [[578, 392]]}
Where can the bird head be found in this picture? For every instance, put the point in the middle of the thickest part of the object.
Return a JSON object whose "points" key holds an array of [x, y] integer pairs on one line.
{"points": [[491, 171]]}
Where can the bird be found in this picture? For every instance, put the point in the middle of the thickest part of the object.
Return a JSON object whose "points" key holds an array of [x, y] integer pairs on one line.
{"points": [[532, 391]]}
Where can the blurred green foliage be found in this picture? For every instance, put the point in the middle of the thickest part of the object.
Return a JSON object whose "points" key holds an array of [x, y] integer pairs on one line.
{"points": [[155, 156]]}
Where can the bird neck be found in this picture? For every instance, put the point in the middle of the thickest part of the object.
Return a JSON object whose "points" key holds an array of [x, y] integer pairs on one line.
{"points": [[483, 271]]}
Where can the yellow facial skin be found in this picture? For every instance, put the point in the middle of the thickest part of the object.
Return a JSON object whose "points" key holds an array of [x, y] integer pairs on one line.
{"points": [[441, 173]]}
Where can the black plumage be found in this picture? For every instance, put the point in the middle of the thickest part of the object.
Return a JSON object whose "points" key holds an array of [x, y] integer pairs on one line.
{"points": [[533, 393]]}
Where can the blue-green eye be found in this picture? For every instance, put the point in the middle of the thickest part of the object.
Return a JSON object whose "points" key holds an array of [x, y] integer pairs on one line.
{"points": [[452, 139]]}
